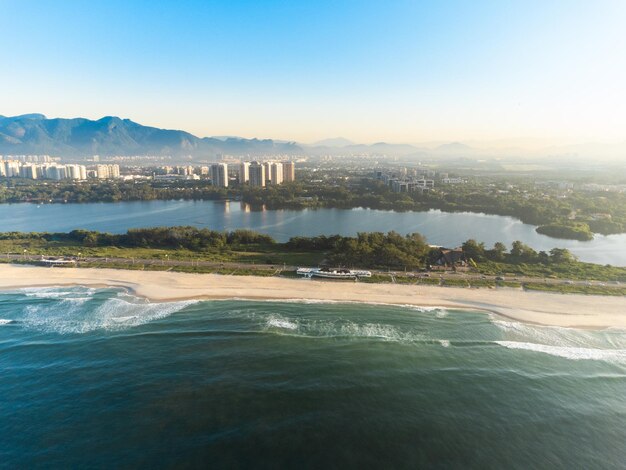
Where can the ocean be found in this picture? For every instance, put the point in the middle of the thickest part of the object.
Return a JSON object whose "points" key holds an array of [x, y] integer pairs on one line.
{"points": [[99, 378]]}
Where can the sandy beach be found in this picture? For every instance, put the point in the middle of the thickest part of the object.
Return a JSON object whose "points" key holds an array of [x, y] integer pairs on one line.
{"points": [[581, 311]]}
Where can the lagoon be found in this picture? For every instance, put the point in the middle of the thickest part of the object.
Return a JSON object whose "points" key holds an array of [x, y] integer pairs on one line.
{"points": [[440, 228]]}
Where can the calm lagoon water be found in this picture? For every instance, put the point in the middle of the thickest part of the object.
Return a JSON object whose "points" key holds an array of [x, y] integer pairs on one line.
{"points": [[440, 228], [97, 378]]}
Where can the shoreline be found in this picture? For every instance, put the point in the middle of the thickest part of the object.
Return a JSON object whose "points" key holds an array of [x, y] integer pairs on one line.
{"points": [[548, 309]]}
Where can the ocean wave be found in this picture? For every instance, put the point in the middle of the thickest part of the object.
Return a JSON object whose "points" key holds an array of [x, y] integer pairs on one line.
{"points": [[58, 292], [338, 329], [297, 300], [274, 322], [306, 301], [560, 336], [574, 353], [67, 316]]}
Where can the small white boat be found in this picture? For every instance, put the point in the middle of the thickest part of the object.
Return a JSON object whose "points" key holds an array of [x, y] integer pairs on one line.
{"points": [[333, 273]]}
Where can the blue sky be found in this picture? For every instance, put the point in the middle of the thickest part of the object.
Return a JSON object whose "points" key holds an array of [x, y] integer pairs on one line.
{"points": [[304, 70]]}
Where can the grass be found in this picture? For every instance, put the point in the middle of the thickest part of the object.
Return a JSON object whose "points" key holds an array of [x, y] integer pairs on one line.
{"points": [[574, 270], [273, 255], [268, 260], [575, 289]]}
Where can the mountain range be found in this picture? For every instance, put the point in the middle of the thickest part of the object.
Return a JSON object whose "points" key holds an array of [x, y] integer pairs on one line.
{"points": [[80, 137]]}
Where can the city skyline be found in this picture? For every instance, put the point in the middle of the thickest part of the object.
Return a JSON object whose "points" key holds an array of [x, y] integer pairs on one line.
{"points": [[402, 72]]}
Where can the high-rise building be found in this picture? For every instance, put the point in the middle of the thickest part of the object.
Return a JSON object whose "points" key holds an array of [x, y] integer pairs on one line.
{"points": [[28, 171], [289, 172], [76, 172], [12, 169], [102, 171], [107, 171], [219, 175], [244, 172], [268, 171], [56, 172], [257, 174], [276, 175]]}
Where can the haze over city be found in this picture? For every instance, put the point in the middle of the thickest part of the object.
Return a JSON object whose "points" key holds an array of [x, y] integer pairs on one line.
{"points": [[530, 74]]}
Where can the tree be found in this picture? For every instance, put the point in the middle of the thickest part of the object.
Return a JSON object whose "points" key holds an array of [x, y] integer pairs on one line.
{"points": [[91, 239], [474, 250], [523, 252], [561, 255], [498, 251]]}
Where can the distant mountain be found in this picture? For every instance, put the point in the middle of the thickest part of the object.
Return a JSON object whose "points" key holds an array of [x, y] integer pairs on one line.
{"points": [[79, 137], [454, 148], [379, 148], [334, 142]]}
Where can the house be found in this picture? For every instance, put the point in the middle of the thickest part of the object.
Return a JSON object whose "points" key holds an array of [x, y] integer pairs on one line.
{"points": [[450, 258]]}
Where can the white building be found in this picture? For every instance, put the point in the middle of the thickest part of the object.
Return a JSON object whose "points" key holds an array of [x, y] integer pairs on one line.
{"points": [[56, 172], [12, 169], [219, 175], [257, 174], [451, 180], [76, 172], [105, 172], [244, 172], [28, 171], [268, 172], [289, 172], [276, 174]]}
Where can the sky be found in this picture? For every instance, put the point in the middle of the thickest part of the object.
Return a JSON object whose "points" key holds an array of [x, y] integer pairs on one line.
{"points": [[395, 70]]}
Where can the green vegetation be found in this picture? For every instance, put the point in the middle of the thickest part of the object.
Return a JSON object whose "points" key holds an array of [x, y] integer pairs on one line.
{"points": [[374, 250], [572, 232], [242, 251], [523, 261], [576, 289]]}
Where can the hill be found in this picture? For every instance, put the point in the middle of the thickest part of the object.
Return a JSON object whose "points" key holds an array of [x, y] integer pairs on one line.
{"points": [[80, 137]]}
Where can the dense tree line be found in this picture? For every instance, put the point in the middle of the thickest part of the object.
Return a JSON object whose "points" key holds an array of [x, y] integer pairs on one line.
{"points": [[572, 232], [519, 253], [368, 249], [190, 238]]}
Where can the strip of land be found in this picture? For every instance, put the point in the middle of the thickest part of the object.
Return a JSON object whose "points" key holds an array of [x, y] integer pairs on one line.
{"points": [[572, 310]]}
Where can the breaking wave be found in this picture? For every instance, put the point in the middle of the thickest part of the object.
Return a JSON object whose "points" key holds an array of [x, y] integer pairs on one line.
{"points": [[613, 355], [274, 322], [441, 311], [81, 310], [568, 343], [59, 293], [338, 329]]}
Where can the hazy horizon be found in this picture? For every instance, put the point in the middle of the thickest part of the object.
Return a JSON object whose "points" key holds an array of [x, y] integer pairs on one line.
{"points": [[530, 75]]}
